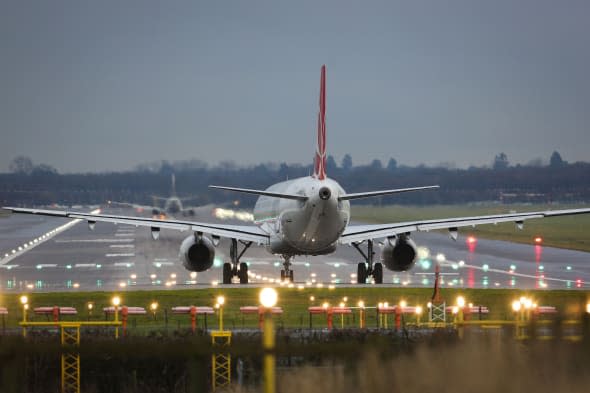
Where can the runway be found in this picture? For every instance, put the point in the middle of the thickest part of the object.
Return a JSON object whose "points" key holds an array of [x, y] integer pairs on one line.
{"points": [[122, 256]]}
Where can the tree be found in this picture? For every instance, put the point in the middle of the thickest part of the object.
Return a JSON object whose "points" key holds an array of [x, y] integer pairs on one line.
{"points": [[21, 165], [331, 164], [376, 164], [392, 164], [501, 161], [44, 169], [347, 162], [556, 161]]}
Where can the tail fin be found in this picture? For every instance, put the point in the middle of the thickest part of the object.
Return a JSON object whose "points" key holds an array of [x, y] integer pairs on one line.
{"points": [[173, 191], [319, 171]]}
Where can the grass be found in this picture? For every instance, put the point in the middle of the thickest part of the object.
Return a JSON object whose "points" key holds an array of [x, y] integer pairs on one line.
{"points": [[293, 301], [563, 232]]}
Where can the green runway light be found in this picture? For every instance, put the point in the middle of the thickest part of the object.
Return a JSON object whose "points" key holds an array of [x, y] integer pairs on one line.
{"points": [[307, 264], [99, 283], [568, 268], [39, 267], [455, 266], [425, 281], [485, 267], [336, 265], [68, 266], [277, 264], [541, 267], [217, 262], [512, 267], [425, 264], [98, 266]]}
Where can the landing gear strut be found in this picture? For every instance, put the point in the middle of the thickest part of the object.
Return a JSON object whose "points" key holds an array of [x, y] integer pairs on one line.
{"points": [[287, 273], [235, 268], [368, 268]]}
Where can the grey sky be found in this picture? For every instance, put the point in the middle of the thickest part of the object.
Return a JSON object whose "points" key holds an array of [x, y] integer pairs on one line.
{"points": [[105, 85]]}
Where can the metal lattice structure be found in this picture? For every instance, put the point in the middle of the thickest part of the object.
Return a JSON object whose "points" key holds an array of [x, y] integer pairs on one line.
{"points": [[70, 358], [220, 359], [437, 312]]}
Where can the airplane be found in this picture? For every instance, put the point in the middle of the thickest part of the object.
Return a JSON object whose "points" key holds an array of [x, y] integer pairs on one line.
{"points": [[172, 205], [306, 216]]}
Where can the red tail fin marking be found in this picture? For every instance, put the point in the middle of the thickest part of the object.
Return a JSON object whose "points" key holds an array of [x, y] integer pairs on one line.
{"points": [[320, 154]]}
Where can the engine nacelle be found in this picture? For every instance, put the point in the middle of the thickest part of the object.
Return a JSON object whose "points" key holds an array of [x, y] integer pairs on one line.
{"points": [[400, 256], [197, 255]]}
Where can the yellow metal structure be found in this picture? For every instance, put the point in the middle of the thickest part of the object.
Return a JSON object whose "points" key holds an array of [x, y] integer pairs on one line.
{"points": [[268, 343], [70, 357], [220, 359]]}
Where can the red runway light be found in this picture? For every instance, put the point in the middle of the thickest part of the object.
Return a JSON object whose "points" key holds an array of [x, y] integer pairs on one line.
{"points": [[538, 240], [471, 240]]}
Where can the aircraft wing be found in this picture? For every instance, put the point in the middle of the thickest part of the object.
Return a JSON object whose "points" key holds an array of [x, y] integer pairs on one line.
{"points": [[358, 233], [240, 232]]}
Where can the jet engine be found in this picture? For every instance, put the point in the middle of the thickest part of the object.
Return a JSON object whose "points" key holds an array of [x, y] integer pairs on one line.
{"points": [[399, 256], [197, 253]]}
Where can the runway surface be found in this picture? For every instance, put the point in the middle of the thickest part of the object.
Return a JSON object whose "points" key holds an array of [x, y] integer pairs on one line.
{"points": [[123, 256]]}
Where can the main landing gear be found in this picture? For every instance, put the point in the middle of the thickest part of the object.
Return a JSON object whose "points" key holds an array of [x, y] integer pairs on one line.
{"points": [[368, 268], [287, 273], [235, 268]]}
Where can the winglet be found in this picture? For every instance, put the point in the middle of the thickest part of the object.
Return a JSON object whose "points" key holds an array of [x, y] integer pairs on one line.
{"points": [[319, 171]]}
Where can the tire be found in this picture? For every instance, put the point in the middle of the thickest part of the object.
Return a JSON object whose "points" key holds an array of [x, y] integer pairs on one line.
{"points": [[291, 276], [243, 273], [378, 273], [227, 273], [361, 273]]}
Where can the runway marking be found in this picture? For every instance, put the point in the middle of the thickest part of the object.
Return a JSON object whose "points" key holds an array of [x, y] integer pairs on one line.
{"points": [[124, 264], [515, 274], [258, 263], [42, 265], [124, 234], [85, 265], [8, 267], [124, 254], [163, 264], [122, 246], [43, 238], [95, 241]]}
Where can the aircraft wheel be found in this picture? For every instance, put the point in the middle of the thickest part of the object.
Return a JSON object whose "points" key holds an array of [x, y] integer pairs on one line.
{"points": [[243, 273], [378, 273], [361, 273], [291, 276], [227, 273]]}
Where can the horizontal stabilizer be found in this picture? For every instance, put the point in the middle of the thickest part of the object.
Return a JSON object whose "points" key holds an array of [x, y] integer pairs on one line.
{"points": [[369, 194], [265, 193]]}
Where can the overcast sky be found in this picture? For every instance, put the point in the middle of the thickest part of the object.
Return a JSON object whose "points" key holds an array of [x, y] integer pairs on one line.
{"points": [[106, 85]]}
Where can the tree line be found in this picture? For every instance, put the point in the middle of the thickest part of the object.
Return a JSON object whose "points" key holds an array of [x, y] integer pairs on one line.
{"points": [[559, 181]]}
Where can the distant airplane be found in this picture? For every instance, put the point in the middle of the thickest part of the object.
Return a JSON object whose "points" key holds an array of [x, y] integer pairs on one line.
{"points": [[172, 204], [306, 216]]}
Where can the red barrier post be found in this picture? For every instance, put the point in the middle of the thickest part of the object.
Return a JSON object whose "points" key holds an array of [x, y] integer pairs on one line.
{"points": [[124, 313], [398, 317], [193, 318], [330, 316], [55, 313]]}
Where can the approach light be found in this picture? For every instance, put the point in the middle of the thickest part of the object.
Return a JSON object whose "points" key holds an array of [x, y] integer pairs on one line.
{"points": [[116, 301], [403, 304], [268, 297], [24, 299], [418, 310], [516, 305], [361, 304], [312, 298], [154, 306], [220, 300], [325, 305], [90, 306], [460, 301]]}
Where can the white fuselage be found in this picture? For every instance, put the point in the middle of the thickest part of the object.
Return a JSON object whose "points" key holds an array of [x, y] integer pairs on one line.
{"points": [[310, 227]]}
